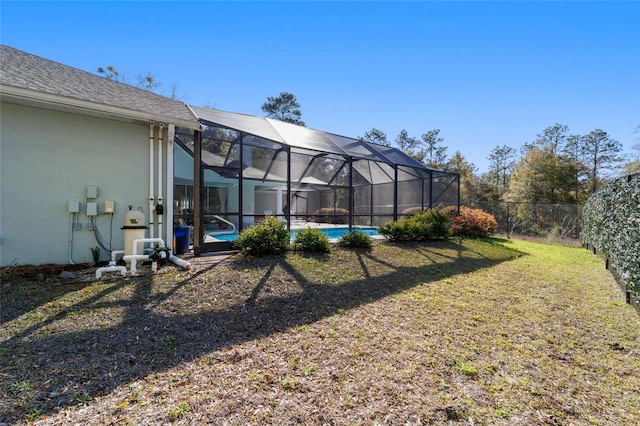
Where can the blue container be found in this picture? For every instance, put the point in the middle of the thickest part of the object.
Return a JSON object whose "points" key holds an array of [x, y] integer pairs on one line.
{"points": [[182, 237]]}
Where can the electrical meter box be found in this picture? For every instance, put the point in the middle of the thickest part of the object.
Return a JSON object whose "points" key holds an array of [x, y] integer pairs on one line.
{"points": [[109, 206], [74, 207], [92, 191], [92, 209]]}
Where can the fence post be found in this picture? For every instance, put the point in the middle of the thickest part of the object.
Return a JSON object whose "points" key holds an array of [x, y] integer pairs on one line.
{"points": [[508, 226]]}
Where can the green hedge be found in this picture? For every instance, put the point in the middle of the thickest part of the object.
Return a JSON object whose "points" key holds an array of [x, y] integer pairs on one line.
{"points": [[611, 219]]}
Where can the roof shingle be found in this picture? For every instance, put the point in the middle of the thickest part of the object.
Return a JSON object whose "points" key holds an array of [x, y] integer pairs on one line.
{"points": [[26, 71]]}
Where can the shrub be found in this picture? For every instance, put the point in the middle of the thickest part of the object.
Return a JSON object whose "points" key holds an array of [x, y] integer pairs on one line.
{"points": [[331, 215], [394, 230], [473, 223], [355, 239], [268, 237], [311, 239], [428, 225], [411, 211], [451, 211], [434, 224]]}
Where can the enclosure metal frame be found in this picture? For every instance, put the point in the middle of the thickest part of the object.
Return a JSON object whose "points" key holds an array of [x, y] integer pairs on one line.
{"points": [[423, 173]]}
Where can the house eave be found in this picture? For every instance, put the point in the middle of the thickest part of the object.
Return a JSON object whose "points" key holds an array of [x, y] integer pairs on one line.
{"points": [[27, 97]]}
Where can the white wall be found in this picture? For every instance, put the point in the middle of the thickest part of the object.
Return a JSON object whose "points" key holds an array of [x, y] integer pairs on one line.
{"points": [[48, 158]]}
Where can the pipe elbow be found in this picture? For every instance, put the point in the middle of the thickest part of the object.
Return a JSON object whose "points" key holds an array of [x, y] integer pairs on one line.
{"points": [[180, 262]]}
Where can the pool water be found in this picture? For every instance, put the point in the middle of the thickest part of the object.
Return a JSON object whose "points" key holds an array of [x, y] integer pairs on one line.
{"points": [[339, 232], [331, 233], [226, 237]]}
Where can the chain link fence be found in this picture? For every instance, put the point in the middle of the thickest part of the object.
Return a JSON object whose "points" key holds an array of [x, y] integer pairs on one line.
{"points": [[559, 221]]}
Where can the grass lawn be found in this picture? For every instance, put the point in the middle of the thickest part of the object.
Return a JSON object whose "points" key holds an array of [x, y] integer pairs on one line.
{"points": [[490, 332]]}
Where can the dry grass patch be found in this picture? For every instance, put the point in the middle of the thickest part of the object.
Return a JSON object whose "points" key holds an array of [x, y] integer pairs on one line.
{"points": [[478, 332]]}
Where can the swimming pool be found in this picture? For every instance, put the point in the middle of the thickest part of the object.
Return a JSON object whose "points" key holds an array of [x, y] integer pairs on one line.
{"points": [[331, 233]]}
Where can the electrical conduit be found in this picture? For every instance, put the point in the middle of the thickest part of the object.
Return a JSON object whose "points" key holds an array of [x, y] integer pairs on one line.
{"points": [[71, 225]]}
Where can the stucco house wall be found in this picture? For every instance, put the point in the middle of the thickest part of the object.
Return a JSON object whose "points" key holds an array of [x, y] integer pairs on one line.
{"points": [[63, 130], [48, 159]]}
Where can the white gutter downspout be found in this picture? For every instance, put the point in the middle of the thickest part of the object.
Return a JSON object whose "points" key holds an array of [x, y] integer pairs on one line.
{"points": [[151, 177], [168, 211], [159, 208]]}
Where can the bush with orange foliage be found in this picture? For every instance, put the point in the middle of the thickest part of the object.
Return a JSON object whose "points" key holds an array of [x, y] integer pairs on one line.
{"points": [[471, 222]]}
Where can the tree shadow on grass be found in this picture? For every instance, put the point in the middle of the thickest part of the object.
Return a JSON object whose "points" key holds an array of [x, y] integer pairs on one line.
{"points": [[65, 368], [22, 286]]}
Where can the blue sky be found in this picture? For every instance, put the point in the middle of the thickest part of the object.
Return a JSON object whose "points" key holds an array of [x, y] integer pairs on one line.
{"points": [[484, 73]]}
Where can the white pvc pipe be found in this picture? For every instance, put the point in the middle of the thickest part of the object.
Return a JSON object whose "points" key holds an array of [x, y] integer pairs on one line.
{"points": [[168, 211], [137, 241], [112, 268], [160, 143], [180, 262], [133, 258], [114, 254], [151, 176]]}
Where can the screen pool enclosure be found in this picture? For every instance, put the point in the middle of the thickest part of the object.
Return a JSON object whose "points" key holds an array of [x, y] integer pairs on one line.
{"points": [[239, 169]]}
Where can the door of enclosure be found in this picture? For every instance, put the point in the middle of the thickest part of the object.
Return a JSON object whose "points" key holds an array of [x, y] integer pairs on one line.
{"points": [[241, 179]]}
